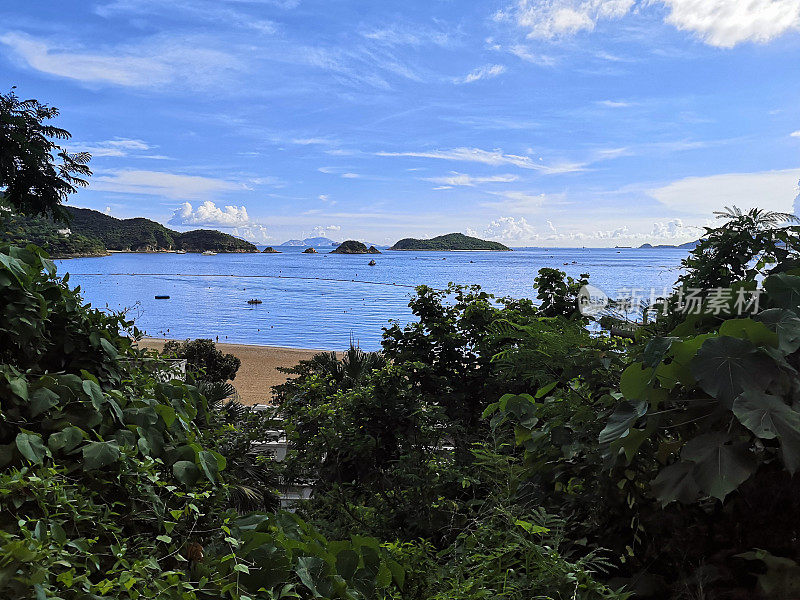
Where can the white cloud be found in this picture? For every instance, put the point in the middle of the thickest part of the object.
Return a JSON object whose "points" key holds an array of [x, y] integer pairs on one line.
{"points": [[463, 179], [314, 141], [770, 190], [351, 175], [721, 23], [209, 214], [614, 104], [156, 61], [528, 55], [326, 231], [233, 218], [490, 157], [486, 72], [795, 134], [554, 18], [725, 23], [160, 183], [402, 35], [510, 229], [115, 147]]}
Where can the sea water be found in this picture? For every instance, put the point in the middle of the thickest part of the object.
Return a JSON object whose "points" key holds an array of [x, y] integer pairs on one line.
{"points": [[322, 301]]}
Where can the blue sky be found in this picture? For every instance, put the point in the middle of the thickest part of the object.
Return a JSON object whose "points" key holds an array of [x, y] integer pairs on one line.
{"points": [[533, 122]]}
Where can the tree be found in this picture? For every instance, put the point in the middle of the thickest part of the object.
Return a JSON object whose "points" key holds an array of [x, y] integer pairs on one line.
{"points": [[36, 174], [202, 355]]}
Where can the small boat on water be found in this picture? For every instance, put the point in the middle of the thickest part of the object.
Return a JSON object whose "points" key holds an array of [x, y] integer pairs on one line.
{"points": [[372, 263], [162, 297], [209, 253], [254, 301], [180, 251]]}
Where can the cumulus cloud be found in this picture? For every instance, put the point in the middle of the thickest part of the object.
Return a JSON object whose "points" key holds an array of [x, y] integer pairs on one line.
{"points": [[160, 183], [232, 218], [462, 179], [795, 134], [510, 229], [485, 72], [209, 214], [721, 23], [725, 23], [770, 190]]}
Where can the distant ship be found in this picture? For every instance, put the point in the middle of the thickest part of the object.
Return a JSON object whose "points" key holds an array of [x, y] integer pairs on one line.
{"points": [[209, 253]]}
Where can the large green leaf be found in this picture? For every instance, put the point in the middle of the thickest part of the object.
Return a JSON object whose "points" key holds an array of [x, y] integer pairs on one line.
{"points": [[186, 472], [65, 440], [635, 381], [785, 324], [311, 571], [655, 350], [676, 483], [623, 418], [210, 464], [769, 417], [41, 400], [30, 445], [99, 454], [783, 291], [748, 329], [720, 465], [726, 366], [346, 563]]}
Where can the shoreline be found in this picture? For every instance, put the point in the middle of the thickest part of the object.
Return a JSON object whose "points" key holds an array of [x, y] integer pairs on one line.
{"points": [[258, 372]]}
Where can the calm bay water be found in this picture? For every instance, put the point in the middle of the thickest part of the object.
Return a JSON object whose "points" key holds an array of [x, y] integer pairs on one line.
{"points": [[324, 300]]}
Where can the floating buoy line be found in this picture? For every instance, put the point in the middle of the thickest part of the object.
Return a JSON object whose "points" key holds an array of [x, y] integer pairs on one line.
{"points": [[404, 285]]}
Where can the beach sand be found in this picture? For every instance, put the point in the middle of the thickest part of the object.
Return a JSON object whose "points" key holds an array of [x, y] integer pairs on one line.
{"points": [[259, 369]]}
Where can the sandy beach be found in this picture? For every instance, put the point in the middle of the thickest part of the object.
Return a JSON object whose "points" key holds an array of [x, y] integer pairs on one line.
{"points": [[259, 369]]}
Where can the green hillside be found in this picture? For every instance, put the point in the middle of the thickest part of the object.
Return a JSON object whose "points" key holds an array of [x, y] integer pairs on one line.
{"points": [[144, 235], [451, 241], [19, 230]]}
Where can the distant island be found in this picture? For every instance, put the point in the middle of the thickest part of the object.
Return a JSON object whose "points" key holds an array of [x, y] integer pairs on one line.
{"points": [[354, 247], [92, 233], [312, 241], [270, 250], [686, 246], [309, 251], [451, 241]]}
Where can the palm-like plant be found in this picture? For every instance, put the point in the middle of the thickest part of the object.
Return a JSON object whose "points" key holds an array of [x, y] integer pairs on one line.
{"points": [[252, 477], [742, 248]]}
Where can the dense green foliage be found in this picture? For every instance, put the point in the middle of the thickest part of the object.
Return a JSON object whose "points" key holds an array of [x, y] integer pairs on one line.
{"points": [[141, 234], [115, 483], [36, 174], [203, 357], [354, 247], [663, 461], [450, 241]]}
